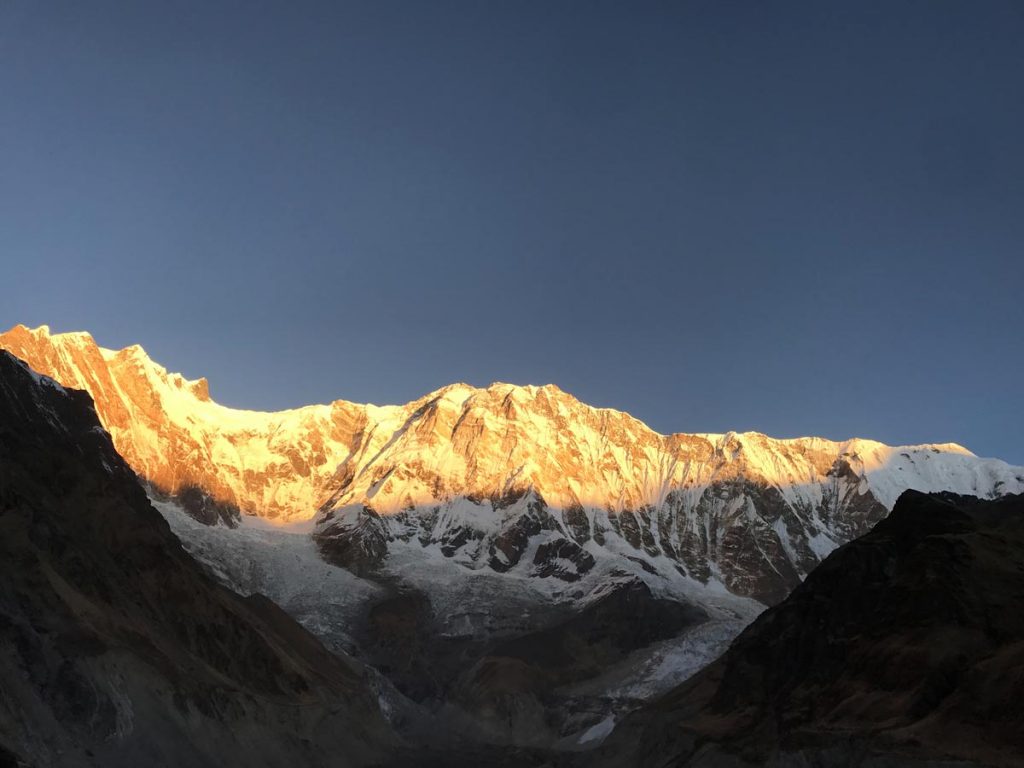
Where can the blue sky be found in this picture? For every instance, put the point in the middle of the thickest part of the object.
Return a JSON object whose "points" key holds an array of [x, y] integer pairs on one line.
{"points": [[797, 218]]}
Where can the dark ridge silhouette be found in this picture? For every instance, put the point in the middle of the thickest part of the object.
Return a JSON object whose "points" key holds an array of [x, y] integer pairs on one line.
{"points": [[115, 648], [904, 647]]}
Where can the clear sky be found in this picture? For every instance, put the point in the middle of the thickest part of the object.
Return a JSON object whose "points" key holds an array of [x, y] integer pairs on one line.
{"points": [[797, 218]]}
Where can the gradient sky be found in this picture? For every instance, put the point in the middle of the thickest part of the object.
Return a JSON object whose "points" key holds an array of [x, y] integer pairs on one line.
{"points": [[797, 218]]}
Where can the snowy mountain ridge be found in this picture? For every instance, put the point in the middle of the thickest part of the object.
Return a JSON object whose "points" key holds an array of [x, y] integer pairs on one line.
{"points": [[515, 564], [507, 476]]}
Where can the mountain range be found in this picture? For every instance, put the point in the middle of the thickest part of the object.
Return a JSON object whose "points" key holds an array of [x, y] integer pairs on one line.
{"points": [[491, 476], [507, 564]]}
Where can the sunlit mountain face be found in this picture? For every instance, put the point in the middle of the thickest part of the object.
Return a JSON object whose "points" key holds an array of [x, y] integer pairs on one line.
{"points": [[510, 565], [455, 462]]}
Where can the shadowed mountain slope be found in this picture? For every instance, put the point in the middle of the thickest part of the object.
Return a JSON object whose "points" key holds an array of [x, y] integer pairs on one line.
{"points": [[115, 648], [904, 645]]}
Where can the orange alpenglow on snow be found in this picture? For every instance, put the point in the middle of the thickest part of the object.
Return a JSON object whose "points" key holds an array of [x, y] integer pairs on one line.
{"points": [[458, 441]]}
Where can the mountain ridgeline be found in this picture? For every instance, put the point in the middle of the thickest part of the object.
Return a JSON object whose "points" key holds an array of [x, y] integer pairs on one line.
{"points": [[505, 477]]}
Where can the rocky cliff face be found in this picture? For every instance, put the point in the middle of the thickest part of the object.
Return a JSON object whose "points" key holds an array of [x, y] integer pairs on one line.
{"points": [[224, 461], [115, 648], [523, 480], [903, 648]]}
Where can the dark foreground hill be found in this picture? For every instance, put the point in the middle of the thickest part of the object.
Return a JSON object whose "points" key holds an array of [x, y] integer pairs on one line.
{"points": [[904, 647], [115, 648]]}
